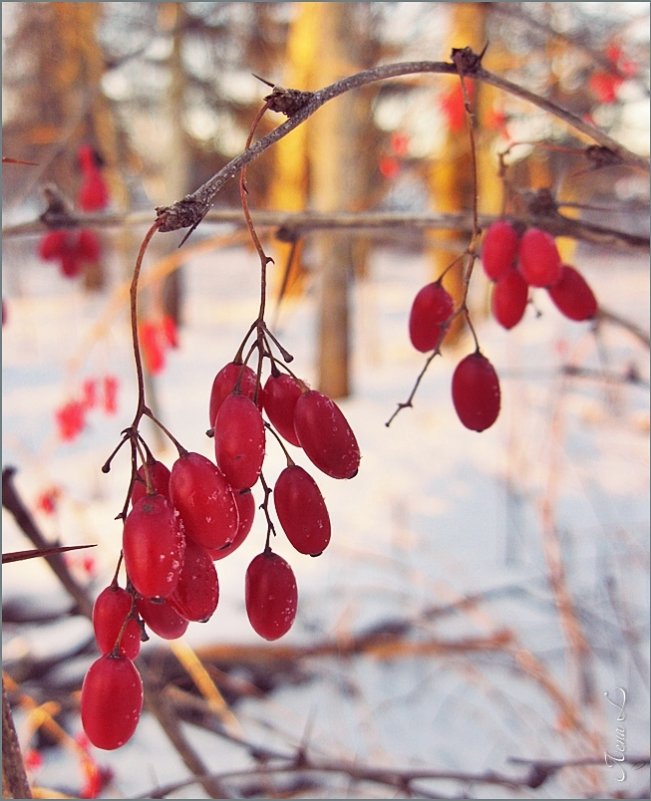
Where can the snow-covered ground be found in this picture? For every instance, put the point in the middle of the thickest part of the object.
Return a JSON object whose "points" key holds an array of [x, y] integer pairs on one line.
{"points": [[435, 514]]}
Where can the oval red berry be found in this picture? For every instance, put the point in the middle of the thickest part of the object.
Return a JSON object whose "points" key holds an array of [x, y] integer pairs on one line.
{"points": [[499, 249], [281, 392], [111, 701], [205, 501], [196, 594], [325, 435], [509, 301], [162, 618], [572, 295], [476, 392], [232, 376], [111, 609], [239, 441], [301, 510], [431, 309], [270, 595], [153, 546], [538, 258]]}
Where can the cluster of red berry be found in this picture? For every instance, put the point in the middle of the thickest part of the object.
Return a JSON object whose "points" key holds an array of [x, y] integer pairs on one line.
{"points": [[71, 417], [184, 519], [514, 263], [73, 248]]}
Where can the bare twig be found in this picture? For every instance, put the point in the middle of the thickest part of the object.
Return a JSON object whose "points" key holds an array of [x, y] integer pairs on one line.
{"points": [[14, 778], [190, 210], [13, 503]]}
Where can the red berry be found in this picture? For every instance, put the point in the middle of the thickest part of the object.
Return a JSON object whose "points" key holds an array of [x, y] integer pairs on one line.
{"points": [[246, 508], [110, 384], [70, 265], [431, 309], [239, 440], [111, 701], [573, 296], [280, 395], [111, 608], [325, 436], [52, 244], [152, 346], [509, 299], [499, 249], [270, 595], [205, 501], [476, 392], [162, 618], [159, 476], [230, 378], [88, 246], [538, 259], [153, 545], [197, 592], [302, 511], [93, 193]]}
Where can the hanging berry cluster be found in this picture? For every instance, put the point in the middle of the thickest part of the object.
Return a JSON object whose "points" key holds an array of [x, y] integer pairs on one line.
{"points": [[74, 248], [180, 520], [515, 261]]}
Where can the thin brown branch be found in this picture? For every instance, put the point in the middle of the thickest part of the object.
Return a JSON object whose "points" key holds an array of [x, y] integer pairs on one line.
{"points": [[13, 503], [303, 222], [14, 778]]}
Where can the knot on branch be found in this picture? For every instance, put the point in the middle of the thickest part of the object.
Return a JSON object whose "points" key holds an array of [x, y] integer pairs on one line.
{"points": [[58, 213], [602, 156], [189, 211], [287, 101], [542, 203], [466, 60]]}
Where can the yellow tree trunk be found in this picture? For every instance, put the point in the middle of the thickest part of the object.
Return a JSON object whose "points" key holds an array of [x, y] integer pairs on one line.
{"points": [[289, 189], [338, 183]]}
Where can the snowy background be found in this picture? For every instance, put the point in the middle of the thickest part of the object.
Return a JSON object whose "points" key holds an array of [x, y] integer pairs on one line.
{"points": [[436, 514]]}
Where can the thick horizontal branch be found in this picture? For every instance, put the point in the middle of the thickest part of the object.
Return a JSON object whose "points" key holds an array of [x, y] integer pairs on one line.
{"points": [[190, 210], [296, 224]]}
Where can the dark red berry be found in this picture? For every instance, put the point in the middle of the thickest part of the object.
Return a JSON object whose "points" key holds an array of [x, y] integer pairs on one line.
{"points": [[197, 591], [270, 595], [162, 618], [230, 378], [246, 508], [509, 299], [301, 511], [111, 609], [205, 501], [431, 309], [538, 258], [499, 249], [476, 392], [239, 440], [153, 546], [280, 395], [572, 295], [159, 476], [325, 435], [111, 701]]}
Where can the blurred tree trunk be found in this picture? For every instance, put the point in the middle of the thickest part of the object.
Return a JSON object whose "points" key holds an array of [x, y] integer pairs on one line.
{"points": [[338, 182], [289, 189], [177, 159]]}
